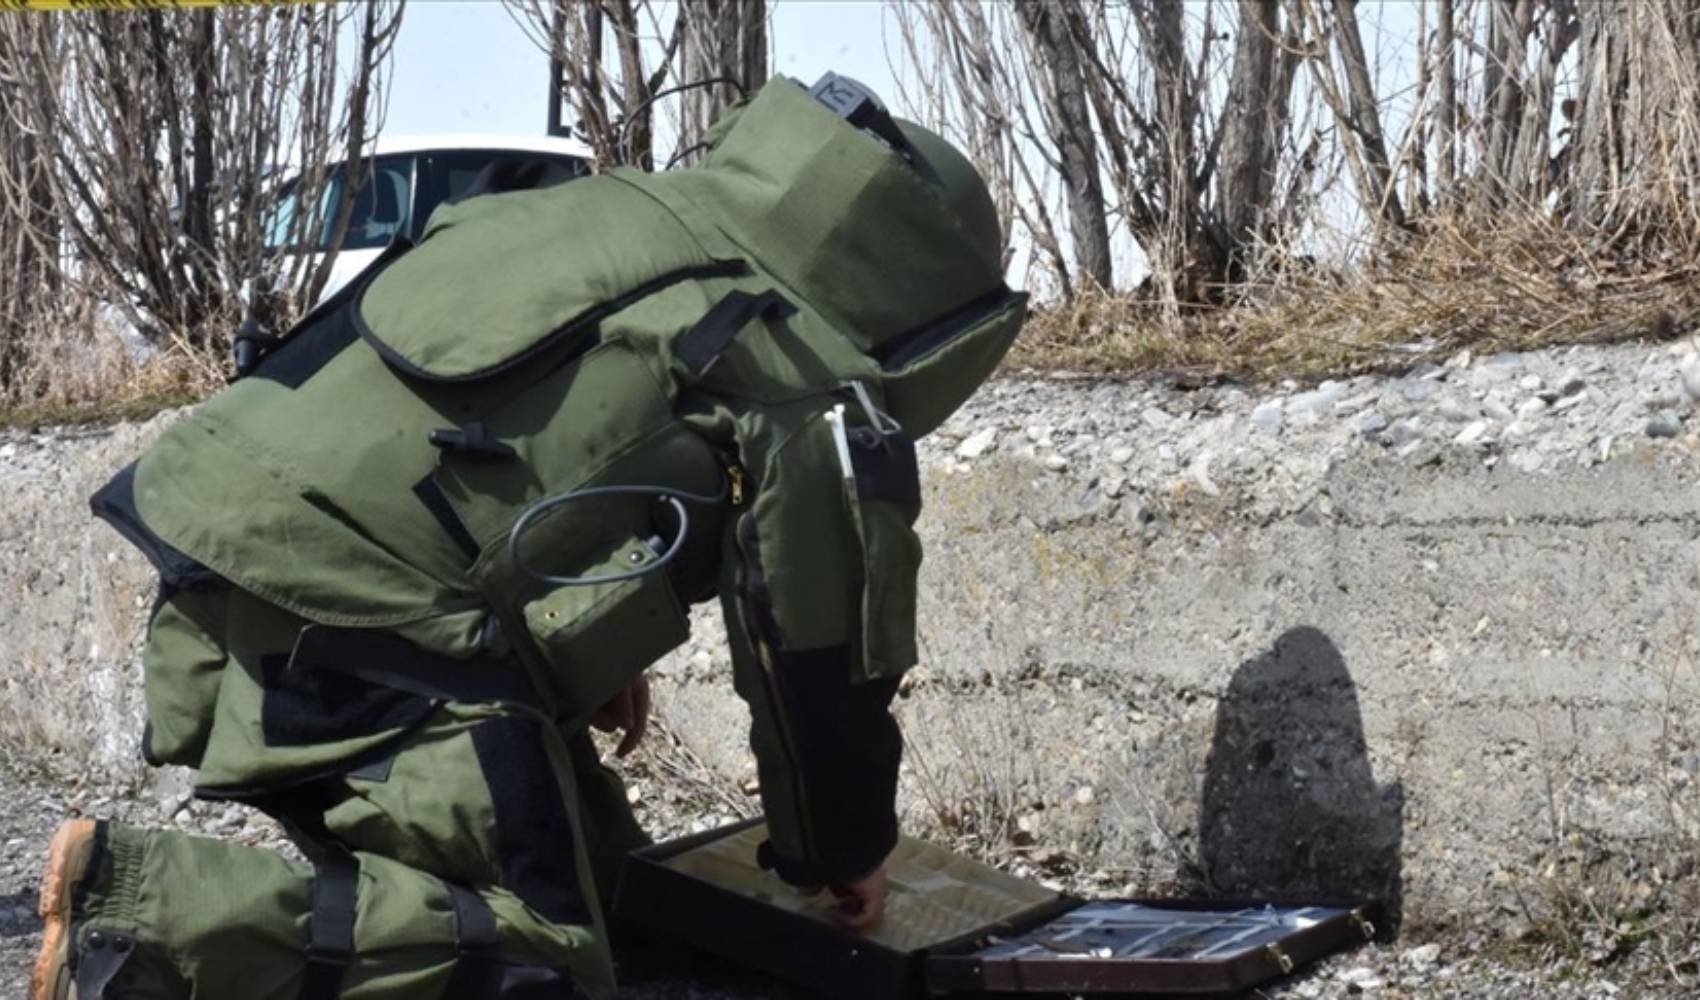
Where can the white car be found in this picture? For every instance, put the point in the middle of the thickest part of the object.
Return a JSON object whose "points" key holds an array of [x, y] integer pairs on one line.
{"points": [[410, 176]]}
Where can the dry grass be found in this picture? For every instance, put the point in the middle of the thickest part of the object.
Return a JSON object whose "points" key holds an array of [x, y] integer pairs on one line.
{"points": [[1527, 284], [1595, 903], [77, 371]]}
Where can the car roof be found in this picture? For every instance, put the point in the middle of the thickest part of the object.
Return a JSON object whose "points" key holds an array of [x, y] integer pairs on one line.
{"points": [[452, 141]]}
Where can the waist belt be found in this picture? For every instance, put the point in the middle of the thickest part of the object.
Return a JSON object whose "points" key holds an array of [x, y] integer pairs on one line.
{"points": [[388, 660]]}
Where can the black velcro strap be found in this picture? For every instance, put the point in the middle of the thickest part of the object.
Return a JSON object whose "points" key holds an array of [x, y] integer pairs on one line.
{"points": [[388, 660], [330, 928], [534, 835], [431, 495], [699, 346], [305, 707], [885, 465], [478, 969]]}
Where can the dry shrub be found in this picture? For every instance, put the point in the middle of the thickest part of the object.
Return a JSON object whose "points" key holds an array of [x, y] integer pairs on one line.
{"points": [[1518, 283]]}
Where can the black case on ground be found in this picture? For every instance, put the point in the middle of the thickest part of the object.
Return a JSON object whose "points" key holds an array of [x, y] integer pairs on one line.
{"points": [[1065, 946]]}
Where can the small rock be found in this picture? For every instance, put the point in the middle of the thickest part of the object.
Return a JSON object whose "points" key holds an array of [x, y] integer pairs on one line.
{"points": [[1457, 411], [1038, 433], [1200, 472], [1461, 360], [1420, 453], [1084, 795], [1356, 403], [1690, 381], [1570, 382], [1114, 485], [1316, 402], [1473, 434], [1266, 417], [1664, 424], [1155, 418], [1371, 421], [978, 444], [1534, 406], [1356, 974], [1402, 433], [1121, 456], [1527, 462], [1422, 956], [8, 451], [1497, 410], [1569, 401], [1056, 463], [1531, 383], [1418, 390]]}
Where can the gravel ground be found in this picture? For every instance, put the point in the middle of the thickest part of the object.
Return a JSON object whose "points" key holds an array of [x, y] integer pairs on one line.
{"points": [[1266, 449], [35, 806]]}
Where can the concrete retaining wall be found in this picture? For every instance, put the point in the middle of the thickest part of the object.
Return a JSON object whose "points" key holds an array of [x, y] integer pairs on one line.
{"points": [[1423, 684], [1413, 680]]}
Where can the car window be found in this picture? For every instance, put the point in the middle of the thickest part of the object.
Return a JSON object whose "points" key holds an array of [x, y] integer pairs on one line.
{"points": [[382, 208], [455, 174]]}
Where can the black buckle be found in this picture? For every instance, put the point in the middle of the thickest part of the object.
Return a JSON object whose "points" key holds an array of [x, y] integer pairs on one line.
{"points": [[472, 438], [251, 346], [98, 961]]}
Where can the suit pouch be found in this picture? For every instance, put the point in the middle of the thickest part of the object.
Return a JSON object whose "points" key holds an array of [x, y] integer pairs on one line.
{"points": [[598, 637], [882, 501]]}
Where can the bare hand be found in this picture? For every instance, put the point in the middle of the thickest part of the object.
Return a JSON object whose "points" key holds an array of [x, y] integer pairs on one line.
{"points": [[861, 904], [628, 711]]}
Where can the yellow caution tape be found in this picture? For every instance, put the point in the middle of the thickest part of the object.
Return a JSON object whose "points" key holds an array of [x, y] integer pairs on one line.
{"points": [[134, 4]]}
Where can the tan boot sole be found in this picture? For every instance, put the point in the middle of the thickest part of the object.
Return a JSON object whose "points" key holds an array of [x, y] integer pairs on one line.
{"points": [[67, 862]]}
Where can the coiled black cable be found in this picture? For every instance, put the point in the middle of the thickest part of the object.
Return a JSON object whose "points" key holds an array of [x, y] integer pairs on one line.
{"points": [[675, 497]]}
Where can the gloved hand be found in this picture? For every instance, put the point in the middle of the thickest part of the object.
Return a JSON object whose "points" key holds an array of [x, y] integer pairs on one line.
{"points": [[861, 903], [628, 711]]}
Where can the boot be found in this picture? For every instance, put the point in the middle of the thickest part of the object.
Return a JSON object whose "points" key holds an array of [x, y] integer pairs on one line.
{"points": [[67, 862]]}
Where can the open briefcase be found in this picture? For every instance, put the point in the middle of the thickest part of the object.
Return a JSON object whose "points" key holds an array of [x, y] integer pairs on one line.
{"points": [[956, 927]]}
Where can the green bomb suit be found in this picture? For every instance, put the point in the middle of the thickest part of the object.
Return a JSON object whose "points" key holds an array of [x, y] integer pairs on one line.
{"points": [[723, 369]]}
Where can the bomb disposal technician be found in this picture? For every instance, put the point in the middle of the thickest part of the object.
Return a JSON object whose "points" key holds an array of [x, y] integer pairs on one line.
{"points": [[438, 530]]}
